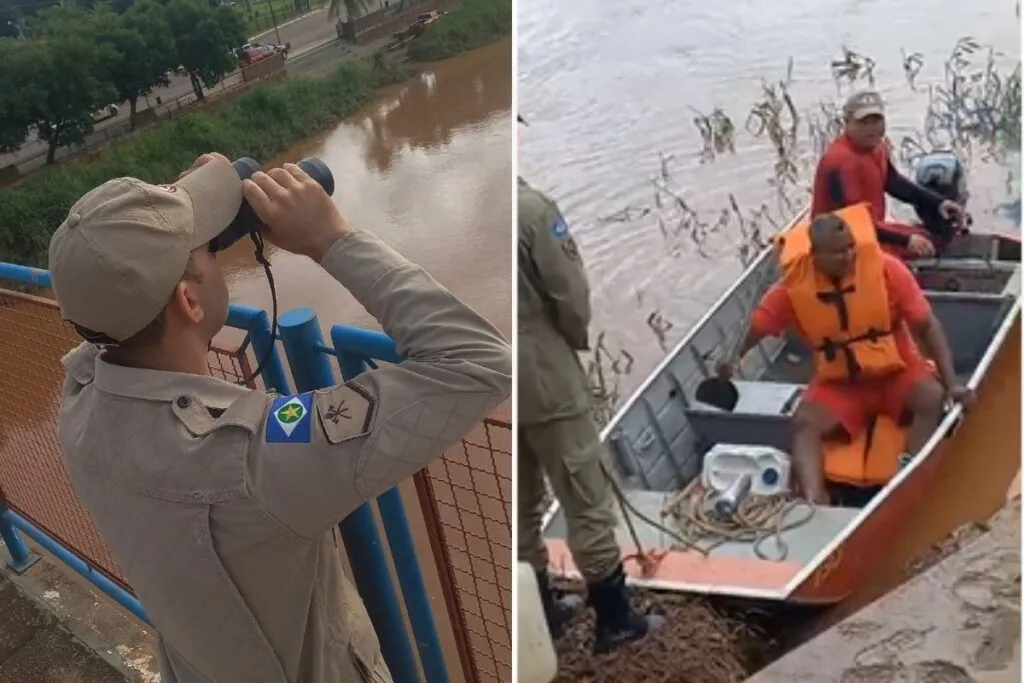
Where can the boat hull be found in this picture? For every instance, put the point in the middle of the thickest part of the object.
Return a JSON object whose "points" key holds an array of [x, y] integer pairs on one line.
{"points": [[984, 432]]}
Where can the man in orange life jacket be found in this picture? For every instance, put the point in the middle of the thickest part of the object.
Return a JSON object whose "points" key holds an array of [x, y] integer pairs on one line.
{"points": [[856, 306], [856, 167]]}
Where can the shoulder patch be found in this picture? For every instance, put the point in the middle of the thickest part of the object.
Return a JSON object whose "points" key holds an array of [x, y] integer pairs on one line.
{"points": [[289, 421], [570, 249], [346, 412], [559, 228]]}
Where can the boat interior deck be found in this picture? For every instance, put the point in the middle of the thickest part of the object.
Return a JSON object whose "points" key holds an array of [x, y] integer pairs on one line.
{"points": [[803, 543]]}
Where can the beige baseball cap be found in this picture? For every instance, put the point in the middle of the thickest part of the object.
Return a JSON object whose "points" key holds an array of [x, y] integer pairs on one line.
{"points": [[863, 104], [117, 257]]}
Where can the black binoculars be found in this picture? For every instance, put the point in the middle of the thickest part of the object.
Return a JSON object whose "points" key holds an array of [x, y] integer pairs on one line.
{"points": [[246, 221]]}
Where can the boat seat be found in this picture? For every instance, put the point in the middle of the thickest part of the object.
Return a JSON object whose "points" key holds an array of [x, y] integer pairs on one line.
{"points": [[763, 416], [962, 276]]}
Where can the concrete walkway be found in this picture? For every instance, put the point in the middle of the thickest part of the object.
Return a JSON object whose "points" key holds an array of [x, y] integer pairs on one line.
{"points": [[56, 627], [958, 622], [36, 648]]}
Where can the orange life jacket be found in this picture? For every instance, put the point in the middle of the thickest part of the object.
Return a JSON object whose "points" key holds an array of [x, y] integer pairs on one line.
{"points": [[870, 458], [848, 324]]}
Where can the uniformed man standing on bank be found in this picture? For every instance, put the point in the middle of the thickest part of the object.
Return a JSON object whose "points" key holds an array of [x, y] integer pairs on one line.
{"points": [[557, 434], [219, 503]]}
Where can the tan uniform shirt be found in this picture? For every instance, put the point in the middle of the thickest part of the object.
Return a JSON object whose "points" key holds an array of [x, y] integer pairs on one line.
{"points": [[220, 504], [554, 314]]}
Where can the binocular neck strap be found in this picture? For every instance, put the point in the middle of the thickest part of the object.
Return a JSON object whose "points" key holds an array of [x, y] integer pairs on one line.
{"points": [[261, 258]]}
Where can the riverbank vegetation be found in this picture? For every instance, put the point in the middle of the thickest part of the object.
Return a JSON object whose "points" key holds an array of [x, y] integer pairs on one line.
{"points": [[473, 24], [68, 63], [261, 123]]}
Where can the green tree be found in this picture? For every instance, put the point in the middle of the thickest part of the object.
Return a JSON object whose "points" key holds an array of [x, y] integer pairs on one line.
{"points": [[14, 12], [138, 46], [8, 23], [15, 117], [206, 39], [353, 8], [59, 78], [121, 6], [144, 46]]}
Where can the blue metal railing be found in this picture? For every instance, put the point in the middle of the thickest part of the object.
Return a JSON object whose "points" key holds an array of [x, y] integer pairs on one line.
{"points": [[309, 360], [356, 348]]}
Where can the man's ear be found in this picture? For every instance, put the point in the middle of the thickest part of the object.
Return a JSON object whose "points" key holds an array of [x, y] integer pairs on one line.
{"points": [[185, 302]]}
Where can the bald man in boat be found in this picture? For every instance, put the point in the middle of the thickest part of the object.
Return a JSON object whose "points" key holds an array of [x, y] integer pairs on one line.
{"points": [[860, 310], [856, 167], [558, 438]]}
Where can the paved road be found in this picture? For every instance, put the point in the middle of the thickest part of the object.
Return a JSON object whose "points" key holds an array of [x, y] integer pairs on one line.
{"points": [[304, 33]]}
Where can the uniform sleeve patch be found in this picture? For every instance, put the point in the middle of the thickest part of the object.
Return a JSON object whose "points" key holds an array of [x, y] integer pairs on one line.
{"points": [[559, 228], [346, 412], [570, 250], [289, 421]]}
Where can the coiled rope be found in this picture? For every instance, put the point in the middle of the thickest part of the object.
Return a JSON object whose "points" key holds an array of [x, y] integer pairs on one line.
{"points": [[757, 520]]}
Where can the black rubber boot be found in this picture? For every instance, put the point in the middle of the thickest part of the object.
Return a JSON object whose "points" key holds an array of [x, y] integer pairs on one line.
{"points": [[617, 622], [558, 607]]}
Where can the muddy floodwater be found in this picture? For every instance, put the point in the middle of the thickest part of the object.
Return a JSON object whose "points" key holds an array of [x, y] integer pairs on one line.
{"points": [[427, 166], [609, 89]]}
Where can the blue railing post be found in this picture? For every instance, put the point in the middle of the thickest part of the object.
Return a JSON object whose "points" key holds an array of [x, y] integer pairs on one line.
{"points": [[70, 559], [311, 369], [256, 322], [351, 365], [392, 512], [25, 275], [21, 557], [366, 342]]}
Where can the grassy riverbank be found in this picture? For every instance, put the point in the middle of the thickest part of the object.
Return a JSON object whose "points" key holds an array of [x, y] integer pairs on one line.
{"points": [[261, 124], [473, 24]]}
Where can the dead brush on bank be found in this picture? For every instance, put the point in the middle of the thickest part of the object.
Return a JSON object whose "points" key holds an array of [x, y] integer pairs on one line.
{"points": [[698, 645]]}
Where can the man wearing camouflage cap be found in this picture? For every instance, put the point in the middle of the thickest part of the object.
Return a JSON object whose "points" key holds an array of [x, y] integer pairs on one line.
{"points": [[220, 503], [856, 167]]}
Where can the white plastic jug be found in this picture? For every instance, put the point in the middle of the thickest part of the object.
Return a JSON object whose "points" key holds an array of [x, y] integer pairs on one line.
{"points": [[535, 657], [767, 467]]}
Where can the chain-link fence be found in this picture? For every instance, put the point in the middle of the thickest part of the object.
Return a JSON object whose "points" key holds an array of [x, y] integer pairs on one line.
{"points": [[33, 480], [466, 498], [32, 477]]}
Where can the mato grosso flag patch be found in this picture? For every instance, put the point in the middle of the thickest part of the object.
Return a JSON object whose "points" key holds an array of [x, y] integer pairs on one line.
{"points": [[289, 419]]}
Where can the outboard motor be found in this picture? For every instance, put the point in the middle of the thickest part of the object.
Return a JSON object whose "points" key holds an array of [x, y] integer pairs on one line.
{"points": [[944, 174]]}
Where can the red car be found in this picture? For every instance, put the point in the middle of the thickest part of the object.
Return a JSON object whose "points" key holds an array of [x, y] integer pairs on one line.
{"points": [[250, 54]]}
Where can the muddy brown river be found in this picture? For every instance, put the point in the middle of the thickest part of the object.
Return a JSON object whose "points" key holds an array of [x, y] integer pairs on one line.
{"points": [[427, 166]]}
